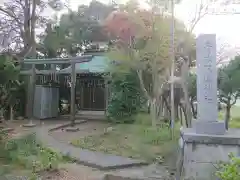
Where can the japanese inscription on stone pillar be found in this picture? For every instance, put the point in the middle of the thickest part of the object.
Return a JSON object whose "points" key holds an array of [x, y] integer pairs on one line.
{"points": [[206, 78]]}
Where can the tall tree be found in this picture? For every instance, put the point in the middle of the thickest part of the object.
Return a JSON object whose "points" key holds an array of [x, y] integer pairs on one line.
{"points": [[18, 23], [229, 86], [75, 30], [143, 42]]}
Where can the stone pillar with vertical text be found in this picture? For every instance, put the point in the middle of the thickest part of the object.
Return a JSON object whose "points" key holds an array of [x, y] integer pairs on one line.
{"points": [[207, 78]]}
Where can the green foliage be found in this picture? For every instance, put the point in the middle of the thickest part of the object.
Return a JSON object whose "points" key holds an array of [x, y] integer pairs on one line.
{"points": [[235, 117], [26, 152], [9, 74], [228, 82], [192, 86], [229, 86], [235, 122], [230, 170], [126, 97], [8, 71], [74, 30]]}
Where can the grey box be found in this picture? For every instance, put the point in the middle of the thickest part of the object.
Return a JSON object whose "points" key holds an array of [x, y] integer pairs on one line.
{"points": [[46, 102]]}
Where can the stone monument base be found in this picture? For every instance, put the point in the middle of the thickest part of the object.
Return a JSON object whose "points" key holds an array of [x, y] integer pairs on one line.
{"points": [[203, 152], [214, 127]]}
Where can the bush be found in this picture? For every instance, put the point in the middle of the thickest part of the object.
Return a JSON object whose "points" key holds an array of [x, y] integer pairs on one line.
{"points": [[26, 152], [230, 170], [126, 97]]}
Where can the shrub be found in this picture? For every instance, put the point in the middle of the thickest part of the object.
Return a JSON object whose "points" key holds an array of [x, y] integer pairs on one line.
{"points": [[27, 152], [126, 97], [230, 170]]}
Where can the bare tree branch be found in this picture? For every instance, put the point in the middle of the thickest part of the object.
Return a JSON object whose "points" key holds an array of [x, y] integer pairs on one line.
{"points": [[226, 52], [19, 19], [200, 12]]}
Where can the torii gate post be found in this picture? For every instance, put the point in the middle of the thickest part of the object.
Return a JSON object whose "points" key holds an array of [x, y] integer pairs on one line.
{"points": [[72, 61], [73, 93]]}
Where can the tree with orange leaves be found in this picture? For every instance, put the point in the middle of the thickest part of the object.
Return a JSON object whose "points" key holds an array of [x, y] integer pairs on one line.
{"points": [[144, 46]]}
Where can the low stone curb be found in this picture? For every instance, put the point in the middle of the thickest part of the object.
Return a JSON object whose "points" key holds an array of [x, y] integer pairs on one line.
{"points": [[119, 177], [151, 172], [128, 177], [60, 126]]}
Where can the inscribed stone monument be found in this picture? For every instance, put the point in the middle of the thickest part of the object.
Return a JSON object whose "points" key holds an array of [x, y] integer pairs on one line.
{"points": [[206, 78], [207, 102]]}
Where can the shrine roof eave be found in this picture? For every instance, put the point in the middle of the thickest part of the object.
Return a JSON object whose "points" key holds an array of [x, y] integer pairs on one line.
{"points": [[48, 72]]}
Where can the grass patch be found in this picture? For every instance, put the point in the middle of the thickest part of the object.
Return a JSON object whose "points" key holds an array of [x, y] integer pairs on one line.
{"points": [[235, 117], [26, 153], [235, 122], [138, 140]]}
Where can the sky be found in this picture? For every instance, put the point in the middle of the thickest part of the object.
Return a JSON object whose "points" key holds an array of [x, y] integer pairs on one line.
{"points": [[224, 26]]}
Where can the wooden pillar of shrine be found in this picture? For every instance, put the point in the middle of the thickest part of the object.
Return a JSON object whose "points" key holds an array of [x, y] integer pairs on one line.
{"points": [[73, 86], [106, 89], [31, 88]]}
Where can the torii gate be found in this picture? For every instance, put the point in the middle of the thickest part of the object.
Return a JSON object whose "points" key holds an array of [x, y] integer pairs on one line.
{"points": [[32, 73]]}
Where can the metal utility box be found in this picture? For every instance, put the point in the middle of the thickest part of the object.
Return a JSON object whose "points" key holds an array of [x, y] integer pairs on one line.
{"points": [[46, 100]]}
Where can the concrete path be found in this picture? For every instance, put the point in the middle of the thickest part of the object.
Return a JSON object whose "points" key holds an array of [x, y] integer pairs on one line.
{"points": [[89, 158]]}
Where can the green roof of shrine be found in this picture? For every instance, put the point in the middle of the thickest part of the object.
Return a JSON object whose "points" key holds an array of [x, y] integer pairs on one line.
{"points": [[98, 64]]}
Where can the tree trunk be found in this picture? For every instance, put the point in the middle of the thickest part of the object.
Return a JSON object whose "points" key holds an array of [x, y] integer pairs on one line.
{"points": [[187, 106], [193, 110], [185, 114], [227, 115], [153, 113], [168, 108], [160, 108], [149, 108], [176, 111], [11, 113], [2, 115], [181, 114]]}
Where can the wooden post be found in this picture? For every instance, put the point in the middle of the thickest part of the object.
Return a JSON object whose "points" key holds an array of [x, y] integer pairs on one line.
{"points": [[73, 84], [81, 96], [31, 92], [106, 89]]}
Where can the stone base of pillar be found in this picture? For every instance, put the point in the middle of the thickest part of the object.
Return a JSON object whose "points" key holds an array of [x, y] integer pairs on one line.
{"points": [[214, 127], [203, 152], [29, 125]]}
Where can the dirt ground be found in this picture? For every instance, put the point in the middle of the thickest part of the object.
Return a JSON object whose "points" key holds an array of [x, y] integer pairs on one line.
{"points": [[18, 128]]}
